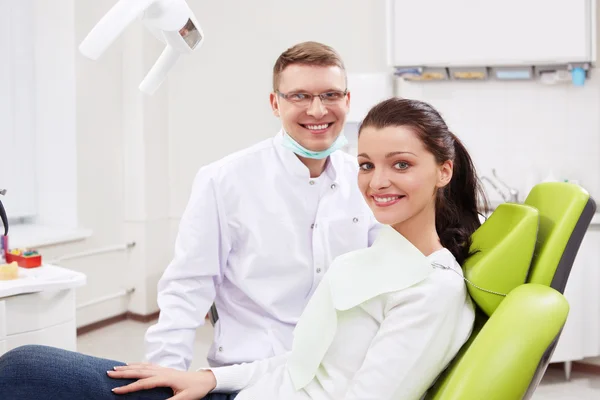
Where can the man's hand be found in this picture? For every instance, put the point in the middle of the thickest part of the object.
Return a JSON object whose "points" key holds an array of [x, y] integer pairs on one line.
{"points": [[185, 385]]}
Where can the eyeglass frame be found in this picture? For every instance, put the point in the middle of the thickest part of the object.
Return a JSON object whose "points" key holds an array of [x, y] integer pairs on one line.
{"points": [[344, 93]]}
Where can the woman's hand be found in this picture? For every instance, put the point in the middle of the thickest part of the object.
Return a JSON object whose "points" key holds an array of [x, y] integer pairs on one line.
{"points": [[185, 385]]}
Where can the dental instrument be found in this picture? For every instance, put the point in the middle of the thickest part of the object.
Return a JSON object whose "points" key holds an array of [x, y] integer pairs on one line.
{"points": [[171, 21]]}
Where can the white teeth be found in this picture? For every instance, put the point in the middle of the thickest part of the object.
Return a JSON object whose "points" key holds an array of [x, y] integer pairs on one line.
{"points": [[385, 199], [317, 127]]}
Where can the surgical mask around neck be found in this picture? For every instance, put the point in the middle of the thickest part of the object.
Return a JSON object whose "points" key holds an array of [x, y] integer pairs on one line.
{"points": [[291, 144]]}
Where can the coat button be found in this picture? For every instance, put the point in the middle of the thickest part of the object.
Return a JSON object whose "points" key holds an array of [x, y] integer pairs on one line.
{"points": [[333, 185], [311, 182], [355, 220], [220, 348], [318, 270]]}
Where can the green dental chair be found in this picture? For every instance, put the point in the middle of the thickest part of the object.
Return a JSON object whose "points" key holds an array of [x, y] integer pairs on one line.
{"points": [[523, 257]]}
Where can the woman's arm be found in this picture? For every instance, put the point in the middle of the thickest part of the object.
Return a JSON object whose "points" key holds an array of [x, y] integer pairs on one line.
{"points": [[415, 340], [239, 376], [193, 385]]}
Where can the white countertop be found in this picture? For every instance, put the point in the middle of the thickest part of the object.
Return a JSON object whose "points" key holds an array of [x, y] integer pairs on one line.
{"points": [[46, 277]]}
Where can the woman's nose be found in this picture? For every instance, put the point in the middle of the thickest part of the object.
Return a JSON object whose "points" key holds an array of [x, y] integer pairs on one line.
{"points": [[379, 180]]}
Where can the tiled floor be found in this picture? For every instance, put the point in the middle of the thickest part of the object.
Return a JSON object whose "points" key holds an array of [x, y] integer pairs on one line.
{"points": [[124, 342]]}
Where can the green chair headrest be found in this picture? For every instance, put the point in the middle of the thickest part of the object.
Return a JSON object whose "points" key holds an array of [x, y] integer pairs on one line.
{"points": [[503, 247]]}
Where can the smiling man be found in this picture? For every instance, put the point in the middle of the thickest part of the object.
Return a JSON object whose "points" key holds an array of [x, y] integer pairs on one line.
{"points": [[262, 225]]}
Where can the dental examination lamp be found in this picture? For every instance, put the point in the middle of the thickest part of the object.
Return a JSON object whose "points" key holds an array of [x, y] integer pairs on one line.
{"points": [[171, 21]]}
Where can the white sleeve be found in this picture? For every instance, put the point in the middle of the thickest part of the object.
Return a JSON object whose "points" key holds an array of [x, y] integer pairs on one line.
{"points": [[186, 290], [237, 377], [413, 341]]}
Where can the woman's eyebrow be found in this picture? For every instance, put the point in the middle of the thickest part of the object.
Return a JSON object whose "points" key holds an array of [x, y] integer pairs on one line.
{"points": [[388, 155], [395, 153]]}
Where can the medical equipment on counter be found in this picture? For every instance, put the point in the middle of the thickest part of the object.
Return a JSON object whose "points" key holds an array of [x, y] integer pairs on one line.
{"points": [[171, 21], [25, 258]]}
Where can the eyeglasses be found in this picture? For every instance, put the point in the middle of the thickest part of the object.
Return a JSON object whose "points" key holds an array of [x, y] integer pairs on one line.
{"points": [[305, 99]]}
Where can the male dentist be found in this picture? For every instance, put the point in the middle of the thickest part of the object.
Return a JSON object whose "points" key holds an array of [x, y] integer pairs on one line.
{"points": [[263, 224]]}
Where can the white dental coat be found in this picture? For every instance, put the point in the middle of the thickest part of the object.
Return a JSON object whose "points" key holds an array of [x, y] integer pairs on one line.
{"points": [[257, 236], [383, 324]]}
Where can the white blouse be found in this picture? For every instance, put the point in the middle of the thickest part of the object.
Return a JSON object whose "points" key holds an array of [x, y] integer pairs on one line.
{"points": [[383, 324]]}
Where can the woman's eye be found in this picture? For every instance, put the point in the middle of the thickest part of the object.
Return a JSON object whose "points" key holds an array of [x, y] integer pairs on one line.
{"points": [[366, 166], [402, 165]]}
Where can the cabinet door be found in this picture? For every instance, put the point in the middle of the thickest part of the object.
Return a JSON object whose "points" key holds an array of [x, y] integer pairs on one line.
{"points": [[3, 321], [63, 336], [483, 33], [591, 293], [579, 338], [34, 311]]}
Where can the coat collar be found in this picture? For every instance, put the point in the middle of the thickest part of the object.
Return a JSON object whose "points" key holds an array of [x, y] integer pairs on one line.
{"points": [[391, 264], [295, 167]]}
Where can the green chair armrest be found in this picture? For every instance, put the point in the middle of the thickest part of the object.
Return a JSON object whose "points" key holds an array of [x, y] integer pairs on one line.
{"points": [[504, 354]]}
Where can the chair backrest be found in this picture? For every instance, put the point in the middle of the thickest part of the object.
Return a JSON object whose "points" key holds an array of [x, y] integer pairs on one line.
{"points": [[565, 212]]}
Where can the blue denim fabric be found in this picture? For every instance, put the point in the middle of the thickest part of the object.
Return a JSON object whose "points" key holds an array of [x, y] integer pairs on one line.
{"points": [[35, 372]]}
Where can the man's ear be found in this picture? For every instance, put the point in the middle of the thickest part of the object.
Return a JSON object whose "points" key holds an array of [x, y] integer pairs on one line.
{"points": [[445, 173], [274, 104]]}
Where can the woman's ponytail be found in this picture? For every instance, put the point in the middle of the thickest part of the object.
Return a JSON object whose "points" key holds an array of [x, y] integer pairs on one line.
{"points": [[458, 204]]}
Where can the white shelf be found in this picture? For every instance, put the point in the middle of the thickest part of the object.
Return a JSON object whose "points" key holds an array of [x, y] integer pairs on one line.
{"points": [[35, 236]]}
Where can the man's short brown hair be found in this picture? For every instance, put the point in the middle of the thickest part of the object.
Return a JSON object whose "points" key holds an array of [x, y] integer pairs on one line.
{"points": [[306, 53]]}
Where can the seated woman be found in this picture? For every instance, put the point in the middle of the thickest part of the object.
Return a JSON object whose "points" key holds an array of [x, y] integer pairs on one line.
{"points": [[384, 322]]}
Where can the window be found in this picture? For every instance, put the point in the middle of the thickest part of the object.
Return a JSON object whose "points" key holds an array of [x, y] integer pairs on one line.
{"points": [[17, 109]]}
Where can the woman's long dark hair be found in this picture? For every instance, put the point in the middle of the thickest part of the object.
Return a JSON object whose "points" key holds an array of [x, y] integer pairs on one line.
{"points": [[456, 214]]}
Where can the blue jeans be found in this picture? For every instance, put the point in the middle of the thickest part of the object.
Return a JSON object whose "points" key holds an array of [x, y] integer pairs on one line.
{"points": [[35, 372]]}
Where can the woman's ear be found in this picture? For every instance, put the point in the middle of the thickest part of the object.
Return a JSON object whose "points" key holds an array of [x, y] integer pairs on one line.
{"points": [[445, 173]]}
